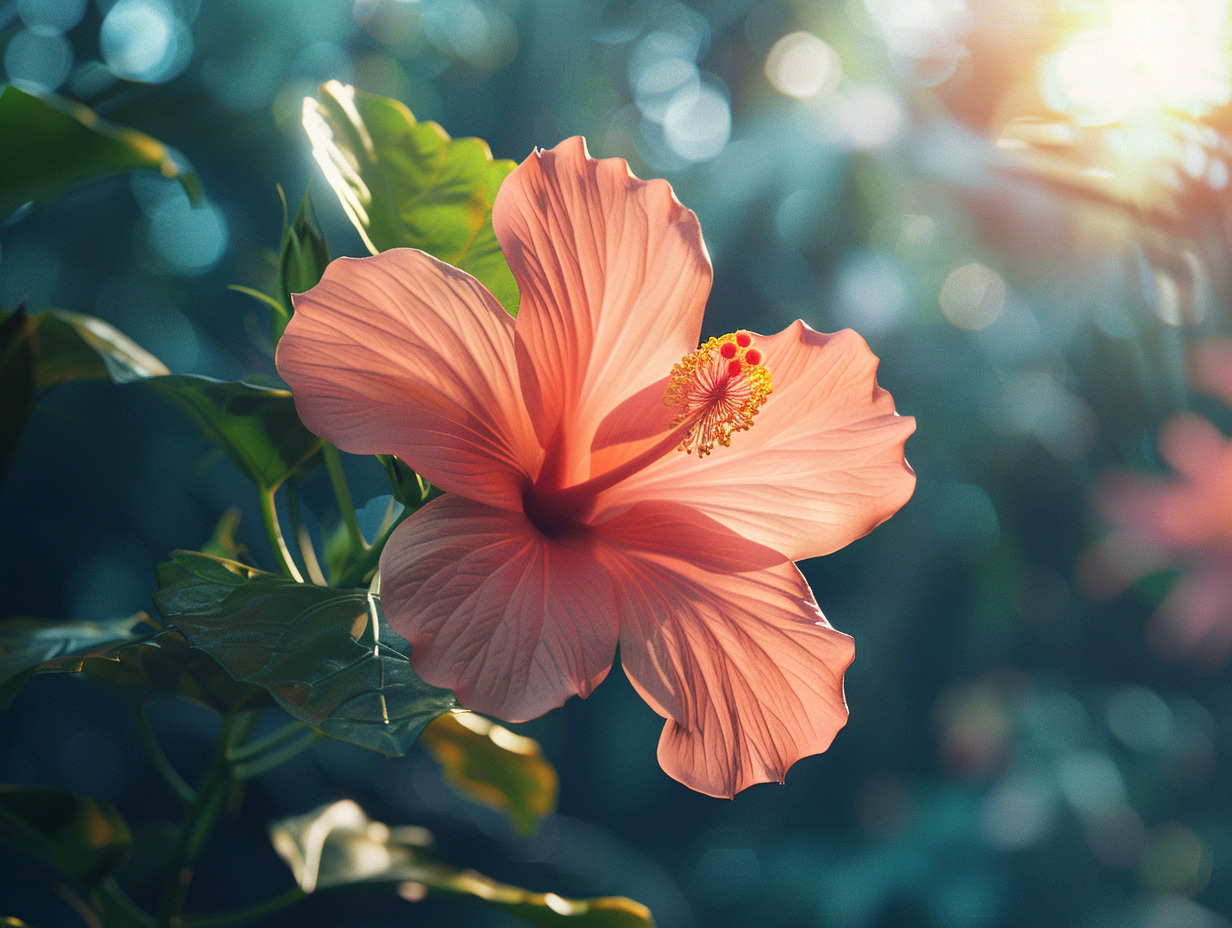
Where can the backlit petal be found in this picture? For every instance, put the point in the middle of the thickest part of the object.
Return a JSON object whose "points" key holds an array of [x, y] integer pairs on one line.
{"points": [[513, 623], [740, 662], [614, 279], [401, 354], [822, 464]]}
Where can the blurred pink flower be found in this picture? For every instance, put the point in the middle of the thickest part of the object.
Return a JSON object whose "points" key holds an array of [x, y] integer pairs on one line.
{"points": [[606, 479], [1183, 521]]}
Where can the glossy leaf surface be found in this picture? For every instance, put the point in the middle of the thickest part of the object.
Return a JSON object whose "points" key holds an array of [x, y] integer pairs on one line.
{"points": [[491, 765], [80, 838], [256, 426], [50, 147], [338, 845], [73, 346], [325, 655], [405, 183], [30, 645]]}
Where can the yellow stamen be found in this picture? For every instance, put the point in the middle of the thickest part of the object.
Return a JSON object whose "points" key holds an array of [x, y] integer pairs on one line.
{"points": [[718, 389]]}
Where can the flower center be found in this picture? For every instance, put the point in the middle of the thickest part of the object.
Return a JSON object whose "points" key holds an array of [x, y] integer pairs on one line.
{"points": [[717, 389]]}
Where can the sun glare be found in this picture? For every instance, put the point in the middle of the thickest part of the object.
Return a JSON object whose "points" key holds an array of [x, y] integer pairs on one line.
{"points": [[1137, 58]]}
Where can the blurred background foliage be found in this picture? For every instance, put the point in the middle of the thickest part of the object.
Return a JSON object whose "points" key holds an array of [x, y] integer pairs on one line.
{"points": [[1021, 205]]}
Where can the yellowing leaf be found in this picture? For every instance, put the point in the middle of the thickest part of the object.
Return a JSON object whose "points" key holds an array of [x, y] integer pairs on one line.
{"points": [[492, 765], [338, 845]]}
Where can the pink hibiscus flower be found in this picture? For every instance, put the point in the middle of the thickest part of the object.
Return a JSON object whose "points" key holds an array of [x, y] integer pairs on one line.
{"points": [[1185, 521], [607, 481]]}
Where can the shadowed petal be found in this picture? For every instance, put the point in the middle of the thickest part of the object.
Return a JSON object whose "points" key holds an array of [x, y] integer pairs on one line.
{"points": [[614, 279], [822, 465], [743, 665], [513, 623], [402, 354]]}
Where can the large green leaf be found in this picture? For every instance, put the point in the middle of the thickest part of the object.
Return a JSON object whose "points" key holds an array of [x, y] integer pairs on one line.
{"points": [[30, 645], [133, 653], [50, 147], [407, 183], [71, 346], [492, 765], [167, 665], [326, 655], [338, 845], [256, 426], [16, 379], [80, 838]]}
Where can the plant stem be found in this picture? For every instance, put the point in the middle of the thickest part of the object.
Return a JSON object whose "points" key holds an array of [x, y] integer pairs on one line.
{"points": [[346, 506], [115, 909], [278, 544], [357, 571], [198, 822], [242, 916], [248, 751], [169, 774], [303, 540], [276, 758]]}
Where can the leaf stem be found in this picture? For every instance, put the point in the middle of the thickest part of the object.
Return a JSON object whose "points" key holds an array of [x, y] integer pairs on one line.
{"points": [[115, 909], [243, 916], [198, 821], [303, 540], [356, 573], [170, 775], [250, 750], [346, 506], [276, 758], [273, 532]]}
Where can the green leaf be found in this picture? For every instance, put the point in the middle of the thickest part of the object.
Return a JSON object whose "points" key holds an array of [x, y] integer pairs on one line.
{"points": [[52, 146], [30, 645], [490, 764], [133, 653], [302, 259], [407, 183], [16, 379], [80, 838], [167, 665], [72, 346], [338, 845], [326, 655], [257, 427]]}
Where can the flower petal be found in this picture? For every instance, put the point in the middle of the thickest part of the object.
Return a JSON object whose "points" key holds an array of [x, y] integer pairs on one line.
{"points": [[614, 277], [821, 466], [402, 354], [513, 623], [743, 665]]}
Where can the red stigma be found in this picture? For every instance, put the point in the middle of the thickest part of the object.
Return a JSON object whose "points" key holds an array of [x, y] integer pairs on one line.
{"points": [[744, 339], [734, 368], [753, 356], [728, 350]]}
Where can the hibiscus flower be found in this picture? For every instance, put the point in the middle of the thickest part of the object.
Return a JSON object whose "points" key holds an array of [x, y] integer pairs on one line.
{"points": [[1183, 521], [607, 481]]}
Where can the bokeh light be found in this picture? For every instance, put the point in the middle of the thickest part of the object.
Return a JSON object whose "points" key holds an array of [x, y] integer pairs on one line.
{"points": [[38, 61], [145, 40], [1141, 56], [801, 65]]}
